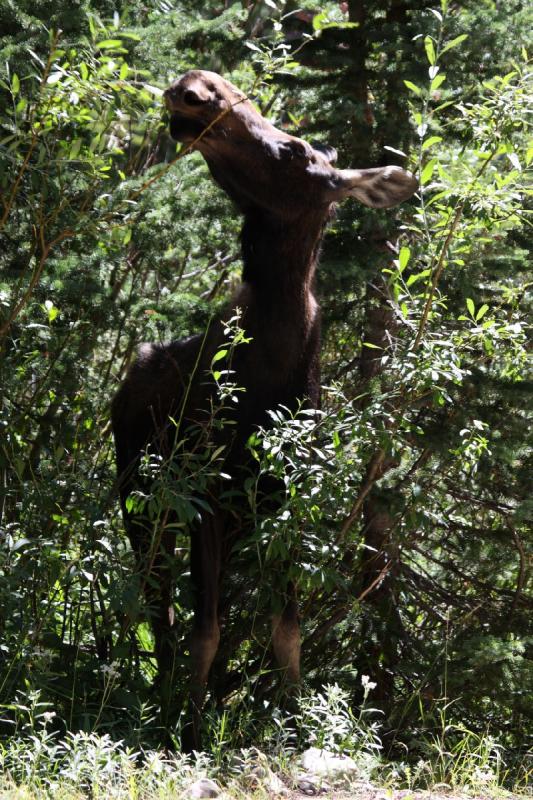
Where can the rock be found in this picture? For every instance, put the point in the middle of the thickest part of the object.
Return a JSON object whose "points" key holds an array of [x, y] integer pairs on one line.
{"points": [[260, 776], [204, 787], [273, 784], [311, 785], [322, 763]]}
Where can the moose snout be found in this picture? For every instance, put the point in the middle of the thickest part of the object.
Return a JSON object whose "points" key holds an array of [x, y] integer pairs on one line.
{"points": [[184, 93]]}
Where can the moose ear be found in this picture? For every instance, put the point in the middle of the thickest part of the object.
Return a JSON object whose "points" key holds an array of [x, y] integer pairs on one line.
{"points": [[381, 187]]}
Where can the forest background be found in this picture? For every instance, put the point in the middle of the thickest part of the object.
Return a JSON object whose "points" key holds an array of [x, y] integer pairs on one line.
{"points": [[407, 514]]}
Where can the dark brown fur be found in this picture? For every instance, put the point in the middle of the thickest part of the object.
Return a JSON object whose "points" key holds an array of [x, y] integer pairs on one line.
{"points": [[286, 190]]}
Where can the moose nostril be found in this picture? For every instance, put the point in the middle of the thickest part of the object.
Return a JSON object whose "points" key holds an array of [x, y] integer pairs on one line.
{"points": [[191, 98]]}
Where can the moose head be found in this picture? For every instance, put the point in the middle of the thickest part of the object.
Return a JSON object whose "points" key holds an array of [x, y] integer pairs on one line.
{"points": [[259, 165]]}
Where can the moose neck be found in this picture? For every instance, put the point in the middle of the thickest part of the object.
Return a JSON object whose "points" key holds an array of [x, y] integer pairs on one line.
{"points": [[280, 258]]}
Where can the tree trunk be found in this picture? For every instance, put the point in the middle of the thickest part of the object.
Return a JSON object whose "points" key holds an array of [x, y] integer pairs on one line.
{"points": [[381, 629]]}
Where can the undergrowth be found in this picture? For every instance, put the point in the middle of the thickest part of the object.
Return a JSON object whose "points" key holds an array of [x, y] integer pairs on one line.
{"points": [[38, 762]]}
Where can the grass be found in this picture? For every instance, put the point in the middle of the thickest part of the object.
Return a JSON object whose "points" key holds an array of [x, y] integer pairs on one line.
{"points": [[36, 763]]}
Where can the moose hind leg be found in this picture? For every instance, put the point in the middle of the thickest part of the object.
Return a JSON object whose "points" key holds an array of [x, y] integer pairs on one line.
{"points": [[155, 560], [158, 590], [286, 638]]}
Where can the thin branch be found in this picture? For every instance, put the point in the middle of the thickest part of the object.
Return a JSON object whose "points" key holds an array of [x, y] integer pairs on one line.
{"points": [[437, 272], [372, 475]]}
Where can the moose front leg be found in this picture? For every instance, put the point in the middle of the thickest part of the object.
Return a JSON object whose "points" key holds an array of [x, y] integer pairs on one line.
{"points": [[286, 647], [286, 641], [205, 574]]}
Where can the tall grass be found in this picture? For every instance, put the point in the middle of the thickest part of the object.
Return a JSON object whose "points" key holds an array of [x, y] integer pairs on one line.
{"points": [[39, 763]]}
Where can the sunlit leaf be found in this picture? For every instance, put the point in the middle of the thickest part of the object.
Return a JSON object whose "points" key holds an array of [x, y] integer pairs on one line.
{"points": [[415, 278], [427, 172], [430, 141], [481, 312], [109, 44], [437, 81], [454, 43], [430, 49], [219, 355], [403, 257], [413, 87]]}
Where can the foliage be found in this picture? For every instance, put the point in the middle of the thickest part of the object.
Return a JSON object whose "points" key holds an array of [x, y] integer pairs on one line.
{"points": [[109, 237]]}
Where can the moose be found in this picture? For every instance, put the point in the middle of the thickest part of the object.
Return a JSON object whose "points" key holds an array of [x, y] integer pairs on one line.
{"points": [[286, 189]]}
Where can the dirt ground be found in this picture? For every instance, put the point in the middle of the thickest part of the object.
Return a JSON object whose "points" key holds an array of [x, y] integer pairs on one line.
{"points": [[367, 792]]}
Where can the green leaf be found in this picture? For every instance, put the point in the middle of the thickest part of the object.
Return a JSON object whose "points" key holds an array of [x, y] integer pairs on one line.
{"points": [[437, 81], [481, 312], [470, 305], [342, 25], [430, 49], [109, 44], [322, 21], [15, 85], [413, 87], [372, 346], [430, 142], [124, 69], [403, 258], [414, 278], [219, 356], [51, 310], [454, 43], [318, 21], [427, 172], [75, 148]]}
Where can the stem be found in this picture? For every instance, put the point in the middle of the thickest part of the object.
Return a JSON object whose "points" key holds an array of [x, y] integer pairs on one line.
{"points": [[437, 273], [372, 475], [34, 279], [441, 263], [35, 136]]}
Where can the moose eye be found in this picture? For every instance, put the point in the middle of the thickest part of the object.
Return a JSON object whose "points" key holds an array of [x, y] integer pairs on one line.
{"points": [[191, 98]]}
